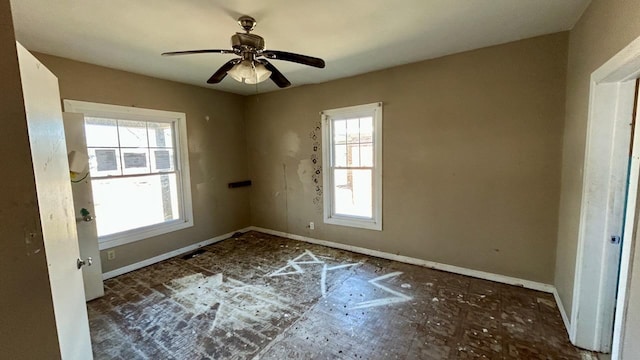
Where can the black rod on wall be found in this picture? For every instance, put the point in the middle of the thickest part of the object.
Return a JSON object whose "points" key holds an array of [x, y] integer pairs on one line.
{"points": [[238, 184]]}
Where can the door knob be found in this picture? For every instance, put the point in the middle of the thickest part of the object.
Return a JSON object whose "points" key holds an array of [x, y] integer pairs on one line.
{"points": [[87, 262]]}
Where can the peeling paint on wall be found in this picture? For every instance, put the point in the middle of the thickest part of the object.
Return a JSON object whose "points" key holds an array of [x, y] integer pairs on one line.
{"points": [[32, 242], [315, 136]]}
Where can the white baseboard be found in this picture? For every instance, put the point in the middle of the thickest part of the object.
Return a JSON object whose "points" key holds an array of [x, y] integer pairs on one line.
{"points": [[165, 256], [565, 318], [401, 258], [409, 260]]}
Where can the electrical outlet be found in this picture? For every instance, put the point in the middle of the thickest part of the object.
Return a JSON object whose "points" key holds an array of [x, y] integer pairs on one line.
{"points": [[111, 254], [312, 225]]}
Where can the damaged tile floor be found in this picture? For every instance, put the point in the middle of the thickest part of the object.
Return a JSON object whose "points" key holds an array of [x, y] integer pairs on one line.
{"points": [[264, 297]]}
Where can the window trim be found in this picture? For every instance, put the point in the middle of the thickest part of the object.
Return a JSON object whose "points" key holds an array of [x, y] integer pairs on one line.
{"points": [[374, 110], [182, 166]]}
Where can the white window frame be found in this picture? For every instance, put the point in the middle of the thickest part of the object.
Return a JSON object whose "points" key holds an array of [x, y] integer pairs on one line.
{"points": [[328, 116], [90, 109]]}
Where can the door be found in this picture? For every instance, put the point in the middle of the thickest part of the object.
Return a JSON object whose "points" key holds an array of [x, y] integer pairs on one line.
{"points": [[51, 170], [83, 204], [606, 170]]}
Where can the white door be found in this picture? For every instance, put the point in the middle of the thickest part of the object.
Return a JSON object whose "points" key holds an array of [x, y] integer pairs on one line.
{"points": [[51, 170], [83, 204]]}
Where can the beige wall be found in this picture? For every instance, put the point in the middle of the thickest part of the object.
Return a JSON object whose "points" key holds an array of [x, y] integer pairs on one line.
{"points": [[472, 148], [26, 308], [217, 147], [606, 27]]}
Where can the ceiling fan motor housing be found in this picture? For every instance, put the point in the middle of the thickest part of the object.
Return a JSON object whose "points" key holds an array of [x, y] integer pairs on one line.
{"points": [[241, 41]]}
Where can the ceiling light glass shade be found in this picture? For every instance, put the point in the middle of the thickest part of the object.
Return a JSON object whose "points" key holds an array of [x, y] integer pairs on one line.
{"points": [[249, 72]]}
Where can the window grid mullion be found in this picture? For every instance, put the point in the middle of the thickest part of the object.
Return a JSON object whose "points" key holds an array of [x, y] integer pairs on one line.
{"points": [[353, 167], [146, 129], [359, 143], [176, 162], [119, 146], [148, 148], [332, 128], [115, 177]]}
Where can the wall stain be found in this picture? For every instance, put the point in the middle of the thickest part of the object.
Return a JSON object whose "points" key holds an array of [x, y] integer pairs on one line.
{"points": [[305, 174], [290, 144]]}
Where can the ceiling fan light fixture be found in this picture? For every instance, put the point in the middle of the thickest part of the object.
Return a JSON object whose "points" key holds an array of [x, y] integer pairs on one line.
{"points": [[249, 72], [249, 47]]}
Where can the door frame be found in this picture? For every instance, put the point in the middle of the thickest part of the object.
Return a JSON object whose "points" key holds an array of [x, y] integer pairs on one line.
{"points": [[611, 98]]}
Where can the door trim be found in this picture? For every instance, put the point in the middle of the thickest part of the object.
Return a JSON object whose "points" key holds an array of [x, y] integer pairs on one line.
{"points": [[611, 98]]}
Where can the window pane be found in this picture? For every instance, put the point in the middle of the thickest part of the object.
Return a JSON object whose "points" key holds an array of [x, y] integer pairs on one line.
{"points": [[135, 161], [101, 132], [366, 129], [104, 162], [340, 155], [160, 134], [132, 133], [123, 204], [353, 155], [353, 191], [162, 160], [366, 155], [353, 131], [339, 132]]}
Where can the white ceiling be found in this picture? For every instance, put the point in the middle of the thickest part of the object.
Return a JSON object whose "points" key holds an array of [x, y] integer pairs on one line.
{"points": [[352, 36]]}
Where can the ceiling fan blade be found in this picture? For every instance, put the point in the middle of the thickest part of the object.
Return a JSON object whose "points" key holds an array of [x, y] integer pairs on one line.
{"points": [[276, 75], [297, 58], [222, 72], [205, 51]]}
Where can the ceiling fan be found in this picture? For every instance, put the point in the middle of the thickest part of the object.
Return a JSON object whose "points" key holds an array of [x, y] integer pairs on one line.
{"points": [[252, 66]]}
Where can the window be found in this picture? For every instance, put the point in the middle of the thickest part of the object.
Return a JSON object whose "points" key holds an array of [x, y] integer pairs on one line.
{"points": [[352, 163], [139, 171]]}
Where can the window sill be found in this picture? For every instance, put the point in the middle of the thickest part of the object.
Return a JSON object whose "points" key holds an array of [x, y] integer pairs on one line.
{"points": [[353, 222], [127, 237]]}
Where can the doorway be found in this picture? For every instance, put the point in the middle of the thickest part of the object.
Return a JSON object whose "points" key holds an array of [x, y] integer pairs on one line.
{"points": [[595, 320]]}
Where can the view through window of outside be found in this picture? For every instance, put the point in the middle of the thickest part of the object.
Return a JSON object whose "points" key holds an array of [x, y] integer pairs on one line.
{"points": [[133, 173], [353, 166]]}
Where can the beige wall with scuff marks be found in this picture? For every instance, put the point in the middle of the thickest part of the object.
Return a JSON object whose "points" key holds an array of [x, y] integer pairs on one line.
{"points": [[217, 148], [26, 307], [605, 28], [472, 149]]}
